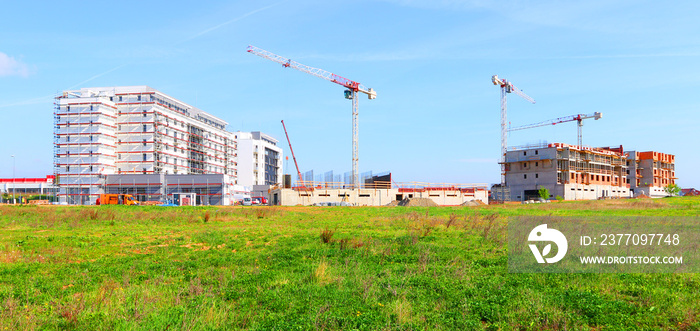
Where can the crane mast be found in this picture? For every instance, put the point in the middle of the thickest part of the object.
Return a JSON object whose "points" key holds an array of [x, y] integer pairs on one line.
{"points": [[351, 93], [506, 87], [578, 118]]}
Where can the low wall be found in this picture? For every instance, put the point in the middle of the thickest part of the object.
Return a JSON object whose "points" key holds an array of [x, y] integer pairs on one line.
{"points": [[373, 197]]}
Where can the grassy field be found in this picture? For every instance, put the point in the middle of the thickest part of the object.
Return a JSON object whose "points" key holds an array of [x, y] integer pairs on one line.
{"points": [[158, 268]]}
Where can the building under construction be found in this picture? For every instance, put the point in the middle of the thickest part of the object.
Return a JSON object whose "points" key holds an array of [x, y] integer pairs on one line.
{"points": [[651, 172], [137, 130], [377, 190], [579, 173]]}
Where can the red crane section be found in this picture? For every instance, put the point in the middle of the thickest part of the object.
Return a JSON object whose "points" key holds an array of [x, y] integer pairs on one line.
{"points": [[301, 181]]}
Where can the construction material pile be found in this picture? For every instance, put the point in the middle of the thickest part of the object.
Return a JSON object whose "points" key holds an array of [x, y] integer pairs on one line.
{"points": [[473, 203], [417, 202]]}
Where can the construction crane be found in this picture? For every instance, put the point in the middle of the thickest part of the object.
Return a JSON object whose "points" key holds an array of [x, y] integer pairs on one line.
{"points": [[506, 87], [579, 118], [351, 92], [301, 181]]}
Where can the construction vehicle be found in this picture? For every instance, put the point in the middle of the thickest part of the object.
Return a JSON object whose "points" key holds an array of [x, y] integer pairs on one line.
{"points": [[117, 199], [351, 92]]}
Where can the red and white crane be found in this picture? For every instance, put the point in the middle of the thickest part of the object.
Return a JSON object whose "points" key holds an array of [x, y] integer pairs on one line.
{"points": [[579, 118], [351, 93], [506, 87], [301, 180]]}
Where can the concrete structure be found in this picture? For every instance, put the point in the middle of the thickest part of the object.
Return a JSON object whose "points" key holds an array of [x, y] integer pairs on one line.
{"points": [[259, 159], [24, 186], [568, 171], [444, 196], [650, 172], [136, 130], [210, 189]]}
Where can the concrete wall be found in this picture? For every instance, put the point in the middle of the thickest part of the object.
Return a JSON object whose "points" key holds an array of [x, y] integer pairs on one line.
{"points": [[549, 167], [372, 197]]}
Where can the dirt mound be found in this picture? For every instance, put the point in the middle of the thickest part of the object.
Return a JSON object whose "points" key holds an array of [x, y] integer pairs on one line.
{"points": [[473, 203], [417, 202], [642, 196], [393, 203]]}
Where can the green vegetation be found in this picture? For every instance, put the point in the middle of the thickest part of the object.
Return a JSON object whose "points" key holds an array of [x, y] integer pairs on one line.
{"points": [[543, 192], [672, 189], [157, 268]]}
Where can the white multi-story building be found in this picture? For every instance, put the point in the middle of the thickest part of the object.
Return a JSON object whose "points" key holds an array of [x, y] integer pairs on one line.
{"points": [[259, 159], [134, 130]]}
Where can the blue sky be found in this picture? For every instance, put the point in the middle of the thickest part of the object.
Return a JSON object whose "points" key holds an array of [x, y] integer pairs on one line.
{"points": [[437, 115]]}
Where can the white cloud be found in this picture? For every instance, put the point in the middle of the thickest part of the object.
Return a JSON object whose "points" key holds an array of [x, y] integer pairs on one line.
{"points": [[9, 66]]}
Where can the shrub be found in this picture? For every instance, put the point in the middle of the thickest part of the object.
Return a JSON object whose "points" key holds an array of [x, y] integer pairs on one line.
{"points": [[327, 236], [207, 216]]}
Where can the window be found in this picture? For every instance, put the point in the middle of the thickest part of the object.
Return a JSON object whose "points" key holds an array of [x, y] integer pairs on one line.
{"points": [[120, 98], [536, 163], [91, 168], [525, 153], [537, 175], [90, 138], [525, 176], [68, 108], [144, 170], [144, 127], [144, 142], [144, 157], [138, 98], [67, 168], [67, 138], [536, 152]]}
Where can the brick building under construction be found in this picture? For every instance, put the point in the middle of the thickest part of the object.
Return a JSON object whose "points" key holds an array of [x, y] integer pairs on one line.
{"points": [[584, 173]]}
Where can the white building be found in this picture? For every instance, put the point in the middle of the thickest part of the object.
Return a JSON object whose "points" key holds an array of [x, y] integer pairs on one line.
{"points": [[259, 159], [134, 130]]}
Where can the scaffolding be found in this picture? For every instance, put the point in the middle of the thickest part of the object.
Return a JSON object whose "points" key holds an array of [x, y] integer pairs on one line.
{"points": [[133, 130]]}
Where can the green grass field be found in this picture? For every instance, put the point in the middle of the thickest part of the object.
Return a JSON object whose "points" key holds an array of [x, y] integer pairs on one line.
{"points": [[398, 268]]}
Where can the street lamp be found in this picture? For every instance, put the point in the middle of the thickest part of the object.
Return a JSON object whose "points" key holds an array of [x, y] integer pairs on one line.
{"points": [[13, 180]]}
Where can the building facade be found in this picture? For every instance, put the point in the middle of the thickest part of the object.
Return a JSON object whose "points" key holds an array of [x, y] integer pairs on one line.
{"points": [[134, 130], [567, 171], [208, 189], [650, 172], [28, 186], [259, 159]]}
